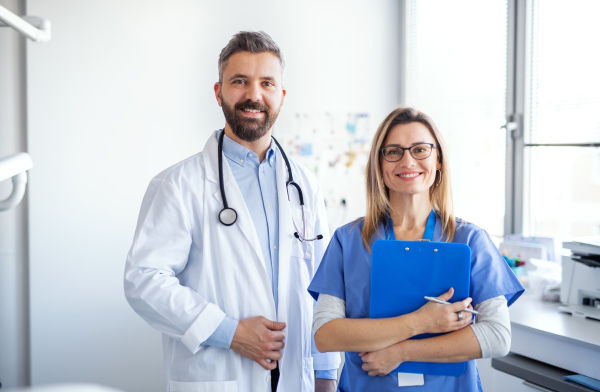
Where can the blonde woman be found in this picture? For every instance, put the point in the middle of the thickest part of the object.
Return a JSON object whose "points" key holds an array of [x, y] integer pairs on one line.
{"points": [[409, 198]]}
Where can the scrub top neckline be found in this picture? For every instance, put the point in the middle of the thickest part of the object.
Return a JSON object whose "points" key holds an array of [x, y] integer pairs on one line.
{"points": [[429, 227]]}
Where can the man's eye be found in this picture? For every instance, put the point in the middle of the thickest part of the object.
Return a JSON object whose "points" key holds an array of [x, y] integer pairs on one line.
{"points": [[269, 84], [238, 81]]}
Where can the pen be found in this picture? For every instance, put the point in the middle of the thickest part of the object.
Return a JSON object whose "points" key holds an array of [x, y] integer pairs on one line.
{"points": [[441, 301]]}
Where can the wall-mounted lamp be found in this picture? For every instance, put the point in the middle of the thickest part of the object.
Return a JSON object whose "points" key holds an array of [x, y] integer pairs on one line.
{"points": [[34, 28], [15, 167]]}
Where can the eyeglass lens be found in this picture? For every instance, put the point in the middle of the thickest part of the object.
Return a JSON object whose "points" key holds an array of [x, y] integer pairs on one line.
{"points": [[418, 151]]}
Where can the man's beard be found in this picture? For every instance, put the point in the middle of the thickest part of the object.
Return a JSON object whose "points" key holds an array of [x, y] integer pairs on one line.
{"points": [[245, 128]]}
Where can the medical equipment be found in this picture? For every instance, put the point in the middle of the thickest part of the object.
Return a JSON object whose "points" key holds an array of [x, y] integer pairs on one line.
{"points": [[34, 28], [15, 166], [580, 290], [228, 216]]}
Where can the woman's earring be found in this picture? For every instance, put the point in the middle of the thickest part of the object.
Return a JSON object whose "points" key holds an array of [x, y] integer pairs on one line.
{"points": [[436, 177]]}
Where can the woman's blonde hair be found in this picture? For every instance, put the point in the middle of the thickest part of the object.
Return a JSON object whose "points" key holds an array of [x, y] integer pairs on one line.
{"points": [[378, 202]]}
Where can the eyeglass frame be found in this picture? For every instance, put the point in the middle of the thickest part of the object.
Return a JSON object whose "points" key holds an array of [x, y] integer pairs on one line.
{"points": [[432, 145]]}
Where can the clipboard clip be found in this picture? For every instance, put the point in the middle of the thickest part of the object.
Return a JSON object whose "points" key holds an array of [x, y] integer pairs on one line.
{"points": [[425, 240]]}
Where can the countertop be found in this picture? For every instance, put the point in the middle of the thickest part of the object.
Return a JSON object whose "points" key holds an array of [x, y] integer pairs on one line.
{"points": [[545, 318], [541, 332]]}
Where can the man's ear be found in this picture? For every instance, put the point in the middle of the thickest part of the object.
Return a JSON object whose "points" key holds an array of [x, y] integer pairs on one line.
{"points": [[218, 93], [283, 97]]}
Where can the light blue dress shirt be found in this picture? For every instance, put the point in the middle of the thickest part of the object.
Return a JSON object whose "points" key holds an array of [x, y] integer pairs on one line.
{"points": [[258, 183]]}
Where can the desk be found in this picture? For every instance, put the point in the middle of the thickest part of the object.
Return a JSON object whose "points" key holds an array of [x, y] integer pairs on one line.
{"points": [[542, 333]]}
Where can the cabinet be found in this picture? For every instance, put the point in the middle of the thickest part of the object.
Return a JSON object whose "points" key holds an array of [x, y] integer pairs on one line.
{"points": [[546, 345], [517, 373], [507, 382]]}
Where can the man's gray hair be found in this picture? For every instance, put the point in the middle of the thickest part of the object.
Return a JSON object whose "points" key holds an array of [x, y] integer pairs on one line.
{"points": [[248, 41]]}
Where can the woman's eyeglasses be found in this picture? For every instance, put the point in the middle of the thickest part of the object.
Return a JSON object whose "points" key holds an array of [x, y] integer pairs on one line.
{"points": [[395, 153]]}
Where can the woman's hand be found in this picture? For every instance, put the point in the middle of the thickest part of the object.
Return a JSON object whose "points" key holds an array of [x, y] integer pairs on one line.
{"points": [[382, 362], [438, 318]]}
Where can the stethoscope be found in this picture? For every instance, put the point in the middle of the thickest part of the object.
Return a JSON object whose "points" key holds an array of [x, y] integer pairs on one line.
{"points": [[228, 216]]}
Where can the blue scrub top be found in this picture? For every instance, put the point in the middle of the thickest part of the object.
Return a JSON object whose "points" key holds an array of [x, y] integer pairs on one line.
{"points": [[345, 272]]}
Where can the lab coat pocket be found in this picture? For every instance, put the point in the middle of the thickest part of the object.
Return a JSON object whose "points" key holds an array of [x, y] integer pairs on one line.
{"points": [[210, 386], [304, 225]]}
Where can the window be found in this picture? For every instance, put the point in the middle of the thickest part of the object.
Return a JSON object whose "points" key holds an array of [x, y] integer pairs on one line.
{"points": [[562, 120], [456, 73], [471, 65]]}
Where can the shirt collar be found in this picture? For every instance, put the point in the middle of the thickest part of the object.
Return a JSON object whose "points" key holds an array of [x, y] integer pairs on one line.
{"points": [[241, 155]]}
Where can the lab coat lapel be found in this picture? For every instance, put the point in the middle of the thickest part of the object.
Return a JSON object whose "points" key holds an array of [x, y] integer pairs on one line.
{"points": [[235, 199], [286, 236]]}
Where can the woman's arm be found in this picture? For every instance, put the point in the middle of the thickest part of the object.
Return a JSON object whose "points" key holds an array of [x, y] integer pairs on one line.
{"points": [[492, 327], [488, 337], [458, 346], [343, 334]]}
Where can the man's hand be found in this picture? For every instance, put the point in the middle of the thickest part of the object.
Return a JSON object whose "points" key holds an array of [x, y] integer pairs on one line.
{"points": [[260, 340], [382, 362], [324, 385]]}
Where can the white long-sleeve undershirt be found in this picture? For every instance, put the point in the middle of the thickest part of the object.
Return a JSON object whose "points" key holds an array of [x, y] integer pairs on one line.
{"points": [[491, 327]]}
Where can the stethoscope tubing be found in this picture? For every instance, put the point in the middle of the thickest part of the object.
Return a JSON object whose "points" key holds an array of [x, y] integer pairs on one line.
{"points": [[228, 216]]}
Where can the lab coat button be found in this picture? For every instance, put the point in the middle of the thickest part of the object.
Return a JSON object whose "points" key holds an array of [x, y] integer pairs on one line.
{"points": [[268, 378]]}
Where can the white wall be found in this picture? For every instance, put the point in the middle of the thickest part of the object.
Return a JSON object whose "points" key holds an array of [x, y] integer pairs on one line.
{"points": [[124, 89]]}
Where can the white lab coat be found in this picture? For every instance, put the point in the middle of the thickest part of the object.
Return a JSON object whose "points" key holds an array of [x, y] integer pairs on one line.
{"points": [[186, 271]]}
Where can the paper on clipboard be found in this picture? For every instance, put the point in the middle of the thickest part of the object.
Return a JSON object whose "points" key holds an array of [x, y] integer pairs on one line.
{"points": [[403, 272]]}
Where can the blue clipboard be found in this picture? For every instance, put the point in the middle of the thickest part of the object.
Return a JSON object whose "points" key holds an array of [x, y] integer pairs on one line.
{"points": [[404, 272]]}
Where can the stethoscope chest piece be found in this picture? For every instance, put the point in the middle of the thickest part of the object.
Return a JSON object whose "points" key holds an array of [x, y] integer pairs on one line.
{"points": [[228, 216]]}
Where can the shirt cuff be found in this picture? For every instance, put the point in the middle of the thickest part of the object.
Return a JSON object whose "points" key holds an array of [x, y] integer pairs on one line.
{"points": [[326, 374], [223, 335]]}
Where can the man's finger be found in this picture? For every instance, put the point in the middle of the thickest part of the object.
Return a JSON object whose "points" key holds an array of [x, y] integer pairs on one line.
{"points": [[266, 364], [275, 325], [272, 355], [274, 346], [277, 336]]}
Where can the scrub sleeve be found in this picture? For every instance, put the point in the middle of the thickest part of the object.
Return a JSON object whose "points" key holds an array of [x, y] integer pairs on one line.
{"points": [[345, 272]]}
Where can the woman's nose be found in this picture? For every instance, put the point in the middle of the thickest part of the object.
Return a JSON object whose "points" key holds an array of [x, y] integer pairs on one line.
{"points": [[406, 159]]}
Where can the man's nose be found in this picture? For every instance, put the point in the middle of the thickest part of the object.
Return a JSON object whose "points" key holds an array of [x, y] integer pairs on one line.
{"points": [[253, 92]]}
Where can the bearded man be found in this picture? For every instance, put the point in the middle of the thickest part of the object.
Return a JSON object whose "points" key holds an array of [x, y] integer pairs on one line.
{"points": [[227, 242]]}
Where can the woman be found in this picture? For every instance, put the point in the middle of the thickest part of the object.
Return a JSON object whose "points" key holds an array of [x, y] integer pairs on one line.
{"points": [[408, 185]]}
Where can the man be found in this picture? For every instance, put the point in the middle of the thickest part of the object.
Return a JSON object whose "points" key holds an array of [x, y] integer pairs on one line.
{"points": [[228, 290]]}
